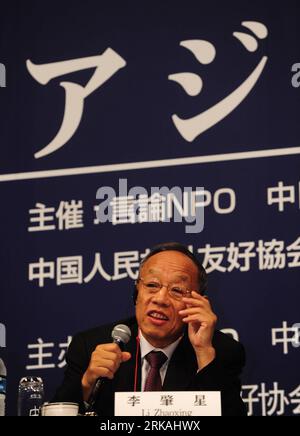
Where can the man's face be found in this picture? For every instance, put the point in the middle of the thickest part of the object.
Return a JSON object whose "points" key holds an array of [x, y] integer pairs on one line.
{"points": [[157, 314]]}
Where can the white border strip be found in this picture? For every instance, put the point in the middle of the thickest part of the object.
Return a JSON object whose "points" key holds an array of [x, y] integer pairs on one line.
{"points": [[149, 164]]}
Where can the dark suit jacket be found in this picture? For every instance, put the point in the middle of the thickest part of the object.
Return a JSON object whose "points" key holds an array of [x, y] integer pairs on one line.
{"points": [[220, 375]]}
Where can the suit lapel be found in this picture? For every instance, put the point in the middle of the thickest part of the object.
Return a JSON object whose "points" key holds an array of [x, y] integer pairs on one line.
{"points": [[182, 367]]}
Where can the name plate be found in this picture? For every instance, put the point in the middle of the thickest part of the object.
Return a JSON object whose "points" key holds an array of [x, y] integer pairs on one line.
{"points": [[179, 403]]}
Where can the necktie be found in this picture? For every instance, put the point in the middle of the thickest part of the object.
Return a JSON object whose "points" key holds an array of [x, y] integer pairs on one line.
{"points": [[155, 359]]}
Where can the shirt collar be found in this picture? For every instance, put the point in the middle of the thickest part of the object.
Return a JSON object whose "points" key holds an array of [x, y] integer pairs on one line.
{"points": [[146, 347]]}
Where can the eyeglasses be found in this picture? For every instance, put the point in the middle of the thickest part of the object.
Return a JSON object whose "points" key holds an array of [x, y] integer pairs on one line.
{"points": [[175, 291]]}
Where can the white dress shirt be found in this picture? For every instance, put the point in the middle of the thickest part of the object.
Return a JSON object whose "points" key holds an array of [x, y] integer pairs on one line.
{"points": [[145, 348]]}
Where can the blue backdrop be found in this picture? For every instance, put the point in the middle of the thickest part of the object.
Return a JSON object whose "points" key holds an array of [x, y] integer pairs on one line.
{"points": [[175, 94]]}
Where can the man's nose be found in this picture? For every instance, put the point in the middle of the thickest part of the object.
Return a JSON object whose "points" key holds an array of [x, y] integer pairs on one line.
{"points": [[162, 296]]}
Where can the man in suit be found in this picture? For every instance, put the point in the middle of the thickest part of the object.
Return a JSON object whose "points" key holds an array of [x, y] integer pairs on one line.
{"points": [[174, 323]]}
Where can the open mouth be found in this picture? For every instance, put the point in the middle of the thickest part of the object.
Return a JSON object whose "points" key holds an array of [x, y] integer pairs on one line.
{"points": [[158, 316]]}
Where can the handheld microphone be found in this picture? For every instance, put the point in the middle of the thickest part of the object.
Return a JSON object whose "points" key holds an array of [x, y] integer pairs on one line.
{"points": [[121, 335]]}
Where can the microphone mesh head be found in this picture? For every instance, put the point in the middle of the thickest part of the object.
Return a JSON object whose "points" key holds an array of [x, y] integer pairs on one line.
{"points": [[121, 333]]}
